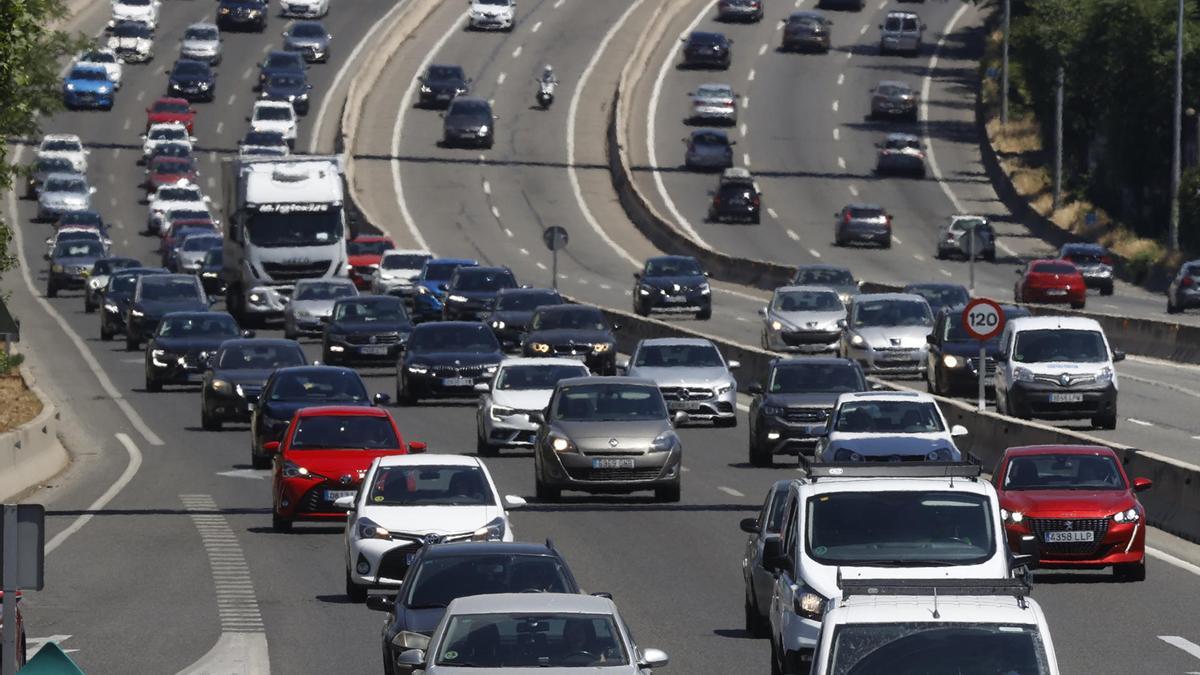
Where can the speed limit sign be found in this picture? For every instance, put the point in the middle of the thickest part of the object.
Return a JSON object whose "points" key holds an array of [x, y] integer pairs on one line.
{"points": [[983, 319]]}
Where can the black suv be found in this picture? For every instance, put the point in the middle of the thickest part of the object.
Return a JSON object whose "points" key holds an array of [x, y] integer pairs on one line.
{"points": [[705, 49], [242, 15], [573, 331], [513, 309], [672, 283], [471, 292], [441, 84], [192, 80], [369, 330], [788, 414], [954, 355], [737, 198]]}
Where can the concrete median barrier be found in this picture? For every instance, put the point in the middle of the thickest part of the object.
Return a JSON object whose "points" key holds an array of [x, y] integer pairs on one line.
{"points": [[32, 453]]}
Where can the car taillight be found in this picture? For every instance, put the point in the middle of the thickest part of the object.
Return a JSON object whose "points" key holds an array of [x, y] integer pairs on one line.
{"points": [[1107, 260], [1187, 281], [846, 217], [716, 201], [754, 200]]}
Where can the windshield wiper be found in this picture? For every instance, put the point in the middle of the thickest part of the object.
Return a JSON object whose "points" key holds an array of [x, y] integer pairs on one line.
{"points": [[900, 563]]}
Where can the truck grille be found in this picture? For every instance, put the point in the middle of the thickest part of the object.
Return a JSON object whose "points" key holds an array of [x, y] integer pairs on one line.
{"points": [[1098, 526], [295, 272], [686, 393]]}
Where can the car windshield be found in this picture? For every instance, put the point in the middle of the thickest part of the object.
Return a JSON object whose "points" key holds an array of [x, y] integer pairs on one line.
{"points": [[94, 74], [574, 318], [171, 106], [218, 325], [480, 280], [892, 313], [171, 133], [536, 376], [269, 138], [899, 529], [132, 29], [175, 193], [308, 30], [531, 641], [469, 109], [710, 139], [172, 167], [190, 69], [823, 277], [201, 243], [344, 432], [285, 80], [892, 90], [431, 337], [368, 246], [673, 267], [273, 112], [283, 61], [929, 647], [60, 145], [319, 385], [302, 224], [370, 309], [206, 34], [65, 185], [706, 38], [445, 73], [678, 356], [168, 290], [807, 301], [438, 580], [609, 403], [122, 283], [250, 356], [941, 295], [404, 261], [964, 224], [1054, 268], [714, 92], [888, 417], [524, 302], [807, 378], [1063, 472], [78, 249], [440, 271], [324, 290], [1060, 344], [430, 485], [902, 144]]}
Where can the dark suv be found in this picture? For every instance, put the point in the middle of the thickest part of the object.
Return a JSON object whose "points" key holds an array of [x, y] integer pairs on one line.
{"points": [[954, 355], [242, 15], [788, 414], [737, 198], [672, 283], [471, 293]]}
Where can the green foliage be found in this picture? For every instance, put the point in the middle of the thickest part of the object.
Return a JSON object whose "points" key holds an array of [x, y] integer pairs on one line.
{"points": [[1189, 210], [8, 363]]}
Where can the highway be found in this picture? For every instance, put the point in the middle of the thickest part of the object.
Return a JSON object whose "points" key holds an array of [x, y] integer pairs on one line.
{"points": [[132, 585]]}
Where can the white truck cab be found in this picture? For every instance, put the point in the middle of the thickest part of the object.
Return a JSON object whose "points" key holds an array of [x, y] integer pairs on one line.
{"points": [[895, 520]]}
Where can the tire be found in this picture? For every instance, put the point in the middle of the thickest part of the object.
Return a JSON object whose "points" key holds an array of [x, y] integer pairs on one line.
{"points": [[207, 422], [670, 493], [51, 291], [725, 422], [259, 461], [153, 385], [1172, 308], [288, 333], [887, 243], [404, 397], [1078, 305], [88, 307], [1107, 422], [355, 593], [640, 309], [754, 623], [546, 493], [758, 457], [941, 254], [485, 449], [1107, 290], [1130, 572], [704, 314], [132, 344], [990, 256], [279, 523], [105, 335]]}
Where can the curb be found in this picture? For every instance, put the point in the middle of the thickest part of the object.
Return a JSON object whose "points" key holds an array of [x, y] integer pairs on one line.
{"points": [[33, 452]]}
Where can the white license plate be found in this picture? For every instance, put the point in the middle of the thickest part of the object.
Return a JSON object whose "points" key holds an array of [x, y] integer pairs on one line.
{"points": [[1066, 398], [373, 350], [989, 381], [683, 405], [612, 463], [1056, 291], [1067, 537], [676, 299], [457, 382], [334, 495]]}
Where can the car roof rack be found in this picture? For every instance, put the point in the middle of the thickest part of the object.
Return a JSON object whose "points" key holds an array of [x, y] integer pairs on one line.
{"points": [[1018, 587], [969, 467]]}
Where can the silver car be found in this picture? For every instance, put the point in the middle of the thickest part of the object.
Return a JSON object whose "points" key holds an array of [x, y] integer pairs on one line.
{"points": [[202, 42], [1184, 291], [191, 252], [714, 102], [692, 375], [608, 434], [558, 633], [521, 386], [901, 32], [887, 333], [43, 167], [62, 193], [955, 238], [901, 153], [805, 319], [1095, 263], [312, 304], [310, 39], [398, 271]]}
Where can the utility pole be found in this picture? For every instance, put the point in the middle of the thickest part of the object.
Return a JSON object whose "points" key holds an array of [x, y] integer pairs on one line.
{"points": [[1177, 133], [1004, 67], [1058, 134]]}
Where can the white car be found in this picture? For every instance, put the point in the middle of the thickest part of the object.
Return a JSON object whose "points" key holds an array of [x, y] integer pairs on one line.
{"points": [[692, 375], [67, 146], [145, 11], [805, 319], [492, 15], [165, 132], [107, 59], [305, 9], [181, 195], [133, 41], [888, 426], [398, 271], [410, 501], [521, 386], [73, 233], [277, 116]]}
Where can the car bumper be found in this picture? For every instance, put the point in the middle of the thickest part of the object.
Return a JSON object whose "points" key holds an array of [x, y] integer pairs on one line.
{"points": [[867, 234], [900, 163], [808, 342], [893, 109], [799, 634], [903, 361], [81, 99], [1187, 298], [1120, 544], [1054, 295], [231, 407], [604, 363], [706, 59], [465, 311], [68, 281], [805, 42], [175, 369], [682, 302], [708, 112], [132, 56], [271, 302], [720, 406], [210, 58], [740, 13], [575, 471], [365, 354], [1032, 399], [308, 499], [298, 11], [429, 386], [191, 93], [509, 432], [437, 98], [900, 44], [1097, 278], [490, 22], [784, 438]]}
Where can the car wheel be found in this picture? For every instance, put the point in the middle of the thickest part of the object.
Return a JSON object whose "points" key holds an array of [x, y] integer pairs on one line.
{"points": [[670, 493], [1108, 422], [758, 456], [546, 493], [485, 449], [776, 669], [990, 256], [1130, 572], [88, 306], [725, 422], [1107, 290], [754, 627], [1172, 308], [51, 291], [153, 385], [131, 344], [404, 396], [887, 243], [259, 461], [279, 523], [207, 422], [705, 314], [355, 592], [1078, 305], [105, 334], [941, 254]]}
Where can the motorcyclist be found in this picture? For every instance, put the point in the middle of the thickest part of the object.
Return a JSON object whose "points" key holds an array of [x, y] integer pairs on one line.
{"points": [[548, 77]]}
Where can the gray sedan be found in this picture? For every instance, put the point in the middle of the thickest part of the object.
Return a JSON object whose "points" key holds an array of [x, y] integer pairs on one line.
{"points": [[201, 42], [310, 39], [708, 149], [890, 98], [312, 304], [63, 192], [715, 102]]}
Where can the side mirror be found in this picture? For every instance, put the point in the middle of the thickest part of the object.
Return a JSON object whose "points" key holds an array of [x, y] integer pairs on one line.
{"points": [[755, 389], [381, 399], [381, 603], [482, 387], [1118, 355], [749, 525], [247, 333], [654, 658], [841, 323], [637, 275], [271, 446], [931, 339], [346, 502], [416, 447], [537, 417], [772, 554], [514, 502], [412, 658], [958, 430], [1142, 484], [680, 418], [734, 365], [1017, 272], [762, 311]]}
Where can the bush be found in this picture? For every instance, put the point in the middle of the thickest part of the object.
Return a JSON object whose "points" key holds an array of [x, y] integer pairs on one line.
{"points": [[10, 362]]}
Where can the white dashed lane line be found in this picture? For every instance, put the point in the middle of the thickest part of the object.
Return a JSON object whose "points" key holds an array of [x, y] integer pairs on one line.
{"points": [[743, 129], [835, 105], [517, 51], [1138, 422], [745, 102], [524, 251], [232, 98], [128, 123], [945, 272], [771, 212], [558, 3], [508, 232], [541, 266], [841, 78], [853, 190], [897, 240], [606, 287], [247, 73], [536, 27], [836, 134], [501, 77], [863, 30], [841, 162], [746, 158], [220, 126], [750, 77], [919, 257], [730, 491], [487, 187], [793, 236], [762, 50], [814, 253], [141, 95]]}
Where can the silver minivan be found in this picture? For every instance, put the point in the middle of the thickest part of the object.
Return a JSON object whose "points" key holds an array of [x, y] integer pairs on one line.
{"points": [[901, 32]]}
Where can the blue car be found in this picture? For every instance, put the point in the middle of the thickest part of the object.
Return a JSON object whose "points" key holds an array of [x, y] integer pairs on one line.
{"points": [[431, 287], [87, 86]]}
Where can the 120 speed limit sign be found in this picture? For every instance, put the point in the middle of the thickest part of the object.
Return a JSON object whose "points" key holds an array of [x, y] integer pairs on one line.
{"points": [[983, 319]]}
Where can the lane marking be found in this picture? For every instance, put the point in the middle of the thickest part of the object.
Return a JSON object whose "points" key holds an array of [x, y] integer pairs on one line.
{"points": [[1165, 385], [131, 469], [849, 55], [247, 73], [771, 212], [841, 78], [1182, 643], [541, 266], [750, 77], [524, 251], [1138, 422], [746, 158], [606, 287], [853, 190], [841, 162], [232, 98], [501, 77], [919, 257], [836, 134], [220, 126], [517, 51], [835, 105], [745, 102], [863, 30], [792, 235], [508, 232], [730, 491], [762, 50], [128, 123], [897, 240], [945, 272], [487, 187], [814, 253], [743, 129], [536, 27], [558, 3], [141, 95]]}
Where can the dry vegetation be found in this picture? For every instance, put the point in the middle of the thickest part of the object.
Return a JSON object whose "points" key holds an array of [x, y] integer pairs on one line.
{"points": [[18, 405]]}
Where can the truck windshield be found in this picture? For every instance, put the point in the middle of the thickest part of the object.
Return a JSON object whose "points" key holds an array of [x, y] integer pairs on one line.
{"points": [[280, 225], [911, 648]]}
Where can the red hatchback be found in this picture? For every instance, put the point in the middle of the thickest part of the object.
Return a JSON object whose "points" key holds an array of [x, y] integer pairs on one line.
{"points": [[365, 252], [169, 109], [324, 455], [1078, 504], [1051, 281], [169, 171]]}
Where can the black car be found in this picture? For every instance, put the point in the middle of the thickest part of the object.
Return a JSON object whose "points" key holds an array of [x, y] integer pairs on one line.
{"points": [[281, 63], [116, 298], [954, 355], [862, 223], [468, 121], [70, 264], [178, 351], [672, 283], [446, 359], [102, 269], [940, 295], [288, 87], [192, 80], [737, 198], [471, 292], [234, 377], [212, 273], [514, 308], [242, 15], [788, 414], [705, 49], [155, 296], [290, 389], [445, 572], [441, 84], [366, 329], [573, 331]]}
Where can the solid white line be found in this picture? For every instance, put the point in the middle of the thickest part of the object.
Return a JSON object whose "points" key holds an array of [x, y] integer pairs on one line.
{"points": [[835, 105], [501, 77], [1173, 560], [814, 253], [792, 235], [750, 77], [841, 78], [1164, 385], [537, 26], [836, 134], [517, 51], [762, 50], [771, 212], [487, 187], [131, 469], [1182, 643], [1138, 422], [926, 84], [730, 491]]}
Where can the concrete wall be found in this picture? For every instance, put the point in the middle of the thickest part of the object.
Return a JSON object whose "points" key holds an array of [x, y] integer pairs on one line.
{"points": [[32, 453]]}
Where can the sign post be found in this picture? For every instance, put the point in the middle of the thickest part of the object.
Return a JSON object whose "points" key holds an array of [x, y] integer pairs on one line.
{"points": [[555, 238], [22, 536], [983, 320]]}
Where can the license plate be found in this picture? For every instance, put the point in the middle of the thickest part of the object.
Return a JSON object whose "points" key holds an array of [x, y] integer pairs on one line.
{"points": [[443, 97], [457, 382], [612, 463], [989, 381], [334, 495], [676, 299], [1056, 291], [1066, 398], [1067, 537], [374, 350], [683, 405]]}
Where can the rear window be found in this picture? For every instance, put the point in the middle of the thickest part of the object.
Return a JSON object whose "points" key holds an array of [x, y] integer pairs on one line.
{"points": [[1054, 268], [910, 24], [866, 213]]}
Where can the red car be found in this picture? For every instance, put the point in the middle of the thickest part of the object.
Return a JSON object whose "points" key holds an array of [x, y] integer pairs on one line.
{"points": [[1052, 281], [170, 109], [170, 170], [365, 251], [1079, 506], [21, 647], [324, 455]]}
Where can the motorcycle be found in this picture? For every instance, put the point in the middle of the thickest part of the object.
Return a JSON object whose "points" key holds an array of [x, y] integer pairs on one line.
{"points": [[545, 95]]}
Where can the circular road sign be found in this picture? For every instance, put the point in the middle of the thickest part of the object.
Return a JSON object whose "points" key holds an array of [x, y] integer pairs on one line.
{"points": [[555, 238], [983, 319]]}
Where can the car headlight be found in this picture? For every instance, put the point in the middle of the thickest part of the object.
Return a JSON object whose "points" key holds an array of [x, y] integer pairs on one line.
{"points": [[498, 325], [70, 87], [418, 370], [1011, 516], [664, 441], [499, 411], [421, 290], [705, 289], [939, 455], [1022, 375], [643, 291], [223, 10], [493, 531], [846, 455], [857, 340], [810, 605], [302, 97], [724, 389], [483, 129], [203, 86], [560, 443], [111, 307], [456, 298], [293, 470], [425, 89], [601, 347], [773, 410], [1127, 516], [369, 529], [102, 90], [540, 347], [137, 312], [56, 268], [1104, 376], [844, 297], [951, 361], [256, 298], [491, 370], [240, 392], [94, 283], [222, 387]]}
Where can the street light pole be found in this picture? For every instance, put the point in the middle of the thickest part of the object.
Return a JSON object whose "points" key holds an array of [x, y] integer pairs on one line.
{"points": [[1004, 67], [1177, 133]]}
